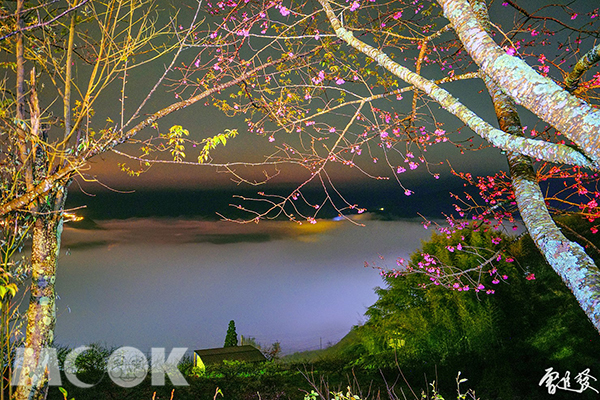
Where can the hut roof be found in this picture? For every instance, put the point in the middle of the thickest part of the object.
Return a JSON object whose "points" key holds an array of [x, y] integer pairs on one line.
{"points": [[238, 353]]}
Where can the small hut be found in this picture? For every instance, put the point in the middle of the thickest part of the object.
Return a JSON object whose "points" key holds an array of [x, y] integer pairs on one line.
{"points": [[246, 353]]}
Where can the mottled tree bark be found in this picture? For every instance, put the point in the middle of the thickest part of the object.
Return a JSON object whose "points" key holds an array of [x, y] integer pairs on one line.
{"points": [[41, 315], [542, 150], [577, 270], [46, 233], [515, 82], [585, 63], [567, 258], [573, 117]]}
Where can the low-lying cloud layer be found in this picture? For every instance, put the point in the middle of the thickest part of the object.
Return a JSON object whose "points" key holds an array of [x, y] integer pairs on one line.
{"points": [[172, 282], [179, 231]]}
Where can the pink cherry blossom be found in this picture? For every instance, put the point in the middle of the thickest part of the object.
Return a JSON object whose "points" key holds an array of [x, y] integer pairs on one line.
{"points": [[284, 11], [319, 78], [530, 277]]}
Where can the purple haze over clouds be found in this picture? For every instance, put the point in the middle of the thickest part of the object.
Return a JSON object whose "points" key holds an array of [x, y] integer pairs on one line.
{"points": [[177, 283]]}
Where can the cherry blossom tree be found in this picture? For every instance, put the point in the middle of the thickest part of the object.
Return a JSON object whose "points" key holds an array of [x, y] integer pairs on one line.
{"points": [[345, 106], [512, 81]]}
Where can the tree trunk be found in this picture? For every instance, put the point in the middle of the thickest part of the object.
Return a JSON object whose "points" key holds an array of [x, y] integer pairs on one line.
{"points": [[573, 117], [47, 230], [548, 151], [567, 258], [41, 315]]}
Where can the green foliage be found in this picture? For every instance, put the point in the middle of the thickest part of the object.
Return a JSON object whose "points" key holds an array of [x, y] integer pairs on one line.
{"points": [[329, 377], [350, 394], [434, 323], [501, 340], [233, 368], [211, 143], [231, 338], [176, 141], [187, 368], [5, 287], [90, 365]]}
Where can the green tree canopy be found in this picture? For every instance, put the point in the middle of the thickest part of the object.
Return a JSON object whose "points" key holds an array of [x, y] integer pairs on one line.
{"points": [[418, 314], [530, 319]]}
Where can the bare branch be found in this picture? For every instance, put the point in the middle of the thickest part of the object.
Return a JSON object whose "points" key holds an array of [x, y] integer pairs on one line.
{"points": [[533, 148], [45, 23]]}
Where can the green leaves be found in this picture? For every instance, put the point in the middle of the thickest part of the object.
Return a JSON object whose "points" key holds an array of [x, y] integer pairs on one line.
{"points": [[6, 286], [211, 143], [231, 339], [176, 140], [10, 288]]}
